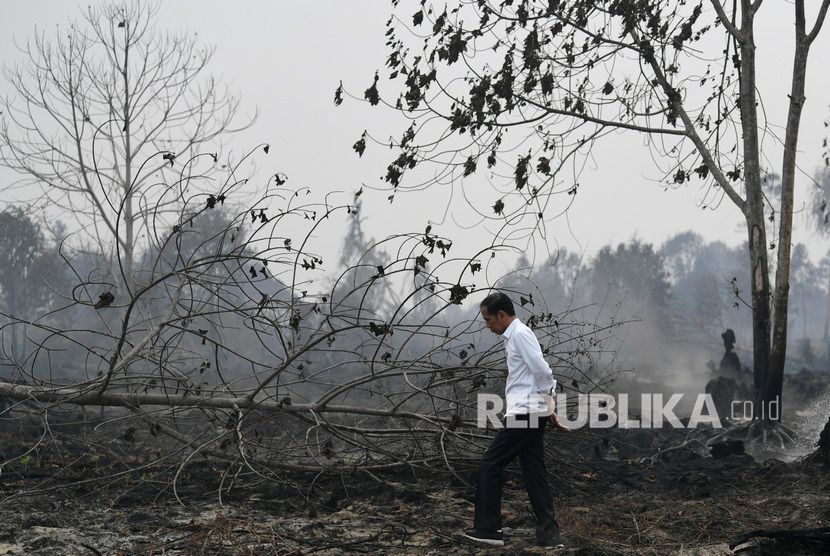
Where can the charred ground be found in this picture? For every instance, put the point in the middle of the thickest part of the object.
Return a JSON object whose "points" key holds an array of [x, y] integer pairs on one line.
{"points": [[86, 490]]}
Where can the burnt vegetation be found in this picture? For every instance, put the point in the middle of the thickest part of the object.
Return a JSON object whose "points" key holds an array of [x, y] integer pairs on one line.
{"points": [[212, 404], [235, 345], [192, 375]]}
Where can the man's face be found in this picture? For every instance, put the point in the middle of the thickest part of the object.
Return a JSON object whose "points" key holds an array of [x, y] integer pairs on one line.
{"points": [[497, 323]]}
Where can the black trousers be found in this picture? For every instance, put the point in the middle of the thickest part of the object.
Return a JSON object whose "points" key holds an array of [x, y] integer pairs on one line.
{"points": [[510, 443]]}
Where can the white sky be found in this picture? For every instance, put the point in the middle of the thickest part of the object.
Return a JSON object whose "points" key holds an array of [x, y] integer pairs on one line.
{"points": [[288, 56]]}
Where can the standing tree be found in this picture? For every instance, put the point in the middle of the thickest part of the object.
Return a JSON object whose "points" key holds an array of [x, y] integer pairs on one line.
{"points": [[27, 266], [568, 73], [704, 277], [94, 103], [633, 271], [818, 218]]}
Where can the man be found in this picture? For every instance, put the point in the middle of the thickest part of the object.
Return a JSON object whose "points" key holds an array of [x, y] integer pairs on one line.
{"points": [[529, 391]]}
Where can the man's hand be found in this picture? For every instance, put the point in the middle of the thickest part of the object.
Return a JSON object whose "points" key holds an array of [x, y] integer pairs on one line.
{"points": [[554, 420]]}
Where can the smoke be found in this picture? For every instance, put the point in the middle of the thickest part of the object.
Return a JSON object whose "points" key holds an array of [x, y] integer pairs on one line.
{"points": [[808, 422]]}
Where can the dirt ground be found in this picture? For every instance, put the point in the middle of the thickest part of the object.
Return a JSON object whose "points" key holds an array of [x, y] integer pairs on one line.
{"points": [[610, 499]]}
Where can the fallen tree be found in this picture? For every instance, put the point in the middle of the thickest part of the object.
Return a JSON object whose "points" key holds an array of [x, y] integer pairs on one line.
{"points": [[237, 346]]}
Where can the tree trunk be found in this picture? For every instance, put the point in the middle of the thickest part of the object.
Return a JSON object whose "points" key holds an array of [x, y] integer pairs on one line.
{"points": [[80, 396], [754, 210], [129, 217], [778, 355]]}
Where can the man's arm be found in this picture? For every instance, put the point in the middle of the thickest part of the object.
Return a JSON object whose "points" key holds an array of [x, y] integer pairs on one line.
{"points": [[528, 347], [542, 373]]}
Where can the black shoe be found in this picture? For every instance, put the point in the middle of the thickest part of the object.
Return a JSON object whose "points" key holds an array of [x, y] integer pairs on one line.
{"points": [[552, 543], [483, 536]]}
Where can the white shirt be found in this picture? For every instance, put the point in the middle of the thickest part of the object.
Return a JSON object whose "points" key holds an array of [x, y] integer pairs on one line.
{"points": [[528, 374]]}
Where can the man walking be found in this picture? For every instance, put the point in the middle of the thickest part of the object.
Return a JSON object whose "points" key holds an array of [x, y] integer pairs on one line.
{"points": [[529, 391]]}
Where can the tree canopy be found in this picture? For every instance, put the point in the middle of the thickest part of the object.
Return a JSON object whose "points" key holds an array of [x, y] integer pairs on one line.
{"points": [[103, 107]]}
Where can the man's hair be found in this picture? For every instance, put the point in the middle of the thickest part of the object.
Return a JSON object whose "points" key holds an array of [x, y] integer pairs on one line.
{"points": [[496, 302]]}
